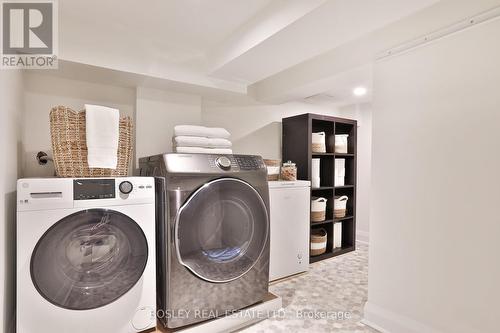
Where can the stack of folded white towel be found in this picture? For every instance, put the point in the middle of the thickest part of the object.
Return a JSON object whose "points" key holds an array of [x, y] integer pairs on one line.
{"points": [[201, 140]]}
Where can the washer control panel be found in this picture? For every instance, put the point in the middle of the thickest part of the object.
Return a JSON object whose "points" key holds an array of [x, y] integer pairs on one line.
{"points": [[114, 188], [62, 193], [87, 189]]}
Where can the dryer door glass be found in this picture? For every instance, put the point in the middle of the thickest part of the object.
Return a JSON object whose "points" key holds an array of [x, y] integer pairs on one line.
{"points": [[221, 230], [89, 259]]}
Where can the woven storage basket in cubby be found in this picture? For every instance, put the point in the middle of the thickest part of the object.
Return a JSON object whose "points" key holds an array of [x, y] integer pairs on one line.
{"points": [[69, 145], [318, 242]]}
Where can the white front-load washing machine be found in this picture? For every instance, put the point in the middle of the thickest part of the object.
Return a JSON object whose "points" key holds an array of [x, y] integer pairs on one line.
{"points": [[86, 255]]}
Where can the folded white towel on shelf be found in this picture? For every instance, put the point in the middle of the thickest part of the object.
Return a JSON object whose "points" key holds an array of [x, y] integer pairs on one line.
{"points": [[208, 132], [102, 130], [198, 141], [219, 143], [190, 141], [200, 150]]}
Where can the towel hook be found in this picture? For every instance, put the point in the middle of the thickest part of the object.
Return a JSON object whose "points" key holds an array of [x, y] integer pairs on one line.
{"points": [[43, 158]]}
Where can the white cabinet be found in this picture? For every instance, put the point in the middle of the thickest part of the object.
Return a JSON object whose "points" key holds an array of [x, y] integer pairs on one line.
{"points": [[290, 217]]}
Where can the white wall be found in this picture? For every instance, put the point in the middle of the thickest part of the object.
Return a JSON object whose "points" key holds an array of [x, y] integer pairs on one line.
{"points": [[435, 227], [157, 114], [11, 107], [43, 92], [363, 114], [256, 129]]}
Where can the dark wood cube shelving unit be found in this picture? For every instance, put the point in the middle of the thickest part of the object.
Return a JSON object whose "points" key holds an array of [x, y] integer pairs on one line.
{"points": [[297, 147]]}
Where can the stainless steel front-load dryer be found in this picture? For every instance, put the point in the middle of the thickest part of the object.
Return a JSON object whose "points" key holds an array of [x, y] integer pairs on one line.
{"points": [[212, 234]]}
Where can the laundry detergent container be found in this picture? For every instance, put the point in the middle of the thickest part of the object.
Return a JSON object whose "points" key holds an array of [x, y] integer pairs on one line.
{"points": [[318, 242], [318, 142], [340, 206], [318, 209]]}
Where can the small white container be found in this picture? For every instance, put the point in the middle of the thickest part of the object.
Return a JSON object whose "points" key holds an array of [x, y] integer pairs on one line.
{"points": [[339, 172], [315, 178], [315, 182], [340, 206], [318, 209], [341, 143], [337, 235], [318, 142], [273, 172]]}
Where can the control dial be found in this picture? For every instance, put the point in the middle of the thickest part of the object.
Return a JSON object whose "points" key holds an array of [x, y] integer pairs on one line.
{"points": [[126, 187], [223, 162]]}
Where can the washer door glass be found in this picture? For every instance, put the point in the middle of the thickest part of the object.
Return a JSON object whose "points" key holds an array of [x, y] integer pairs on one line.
{"points": [[89, 259], [222, 230]]}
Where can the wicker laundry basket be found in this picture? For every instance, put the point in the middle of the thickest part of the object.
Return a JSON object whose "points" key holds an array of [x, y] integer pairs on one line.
{"points": [[69, 145], [318, 242], [340, 206]]}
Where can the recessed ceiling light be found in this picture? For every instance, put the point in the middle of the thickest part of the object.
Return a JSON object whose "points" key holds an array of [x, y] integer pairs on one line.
{"points": [[359, 91]]}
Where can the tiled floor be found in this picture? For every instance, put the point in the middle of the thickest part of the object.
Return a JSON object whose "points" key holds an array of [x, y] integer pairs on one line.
{"points": [[316, 302]]}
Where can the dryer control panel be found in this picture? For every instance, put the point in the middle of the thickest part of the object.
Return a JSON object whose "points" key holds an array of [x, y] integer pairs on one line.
{"points": [[248, 162], [211, 163], [235, 162]]}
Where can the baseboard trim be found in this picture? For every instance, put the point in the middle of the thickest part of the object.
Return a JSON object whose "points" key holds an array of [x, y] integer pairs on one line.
{"points": [[387, 321], [362, 237], [233, 322], [374, 326]]}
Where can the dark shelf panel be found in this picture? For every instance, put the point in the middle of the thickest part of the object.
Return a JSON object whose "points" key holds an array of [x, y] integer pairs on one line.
{"points": [[342, 250], [322, 188], [333, 154], [323, 154], [323, 256], [331, 254], [344, 186], [322, 222], [328, 118], [340, 219]]}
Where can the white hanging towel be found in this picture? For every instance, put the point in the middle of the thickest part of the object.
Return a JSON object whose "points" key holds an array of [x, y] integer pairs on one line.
{"points": [[208, 132], [102, 129]]}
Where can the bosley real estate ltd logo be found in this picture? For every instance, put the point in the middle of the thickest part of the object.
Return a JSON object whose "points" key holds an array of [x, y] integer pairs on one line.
{"points": [[29, 34]]}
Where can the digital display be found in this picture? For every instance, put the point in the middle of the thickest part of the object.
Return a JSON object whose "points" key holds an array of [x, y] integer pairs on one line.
{"points": [[248, 162], [88, 189]]}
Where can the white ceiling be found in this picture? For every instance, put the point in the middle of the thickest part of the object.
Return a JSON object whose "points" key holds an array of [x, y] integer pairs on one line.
{"points": [[334, 23], [341, 88], [179, 32], [223, 44]]}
